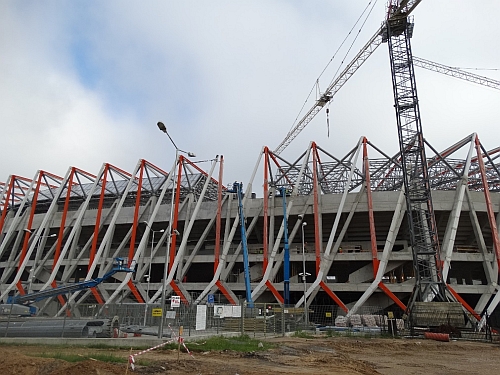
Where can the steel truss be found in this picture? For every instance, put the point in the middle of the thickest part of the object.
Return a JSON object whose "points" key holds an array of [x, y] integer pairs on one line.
{"points": [[343, 199], [77, 249]]}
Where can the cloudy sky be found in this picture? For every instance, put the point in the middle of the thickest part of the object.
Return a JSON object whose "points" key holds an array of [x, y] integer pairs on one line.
{"points": [[84, 82]]}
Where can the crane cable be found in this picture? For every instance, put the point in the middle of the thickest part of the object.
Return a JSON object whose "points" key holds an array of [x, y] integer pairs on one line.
{"points": [[316, 83], [342, 62], [354, 40]]}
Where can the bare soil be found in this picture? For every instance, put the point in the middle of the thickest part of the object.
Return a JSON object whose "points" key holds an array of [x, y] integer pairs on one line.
{"points": [[323, 355]]}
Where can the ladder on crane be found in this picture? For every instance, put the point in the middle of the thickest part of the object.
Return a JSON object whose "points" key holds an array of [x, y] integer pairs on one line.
{"points": [[424, 242]]}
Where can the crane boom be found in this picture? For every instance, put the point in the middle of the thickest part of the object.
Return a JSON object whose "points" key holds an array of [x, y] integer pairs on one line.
{"points": [[360, 58], [406, 7], [455, 72], [335, 86]]}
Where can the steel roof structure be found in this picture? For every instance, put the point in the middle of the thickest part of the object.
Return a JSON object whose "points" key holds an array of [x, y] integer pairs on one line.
{"points": [[354, 235]]}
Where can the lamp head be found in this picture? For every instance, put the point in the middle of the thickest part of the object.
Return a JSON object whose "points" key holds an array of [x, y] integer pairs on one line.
{"points": [[304, 224], [162, 126]]}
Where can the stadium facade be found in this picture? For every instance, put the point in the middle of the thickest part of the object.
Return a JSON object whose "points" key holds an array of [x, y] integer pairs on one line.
{"points": [[345, 225]]}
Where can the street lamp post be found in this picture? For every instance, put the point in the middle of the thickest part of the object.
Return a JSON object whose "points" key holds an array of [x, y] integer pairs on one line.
{"points": [[304, 275], [163, 128], [31, 277], [149, 269]]}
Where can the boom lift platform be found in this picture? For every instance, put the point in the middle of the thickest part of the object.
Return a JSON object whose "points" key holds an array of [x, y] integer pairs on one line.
{"points": [[238, 190], [119, 265]]}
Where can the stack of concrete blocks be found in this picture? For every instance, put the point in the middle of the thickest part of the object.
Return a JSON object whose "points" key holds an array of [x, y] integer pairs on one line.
{"points": [[400, 323], [341, 321], [369, 321], [355, 321]]}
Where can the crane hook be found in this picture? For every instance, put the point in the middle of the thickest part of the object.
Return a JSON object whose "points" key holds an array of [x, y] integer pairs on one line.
{"points": [[328, 121]]}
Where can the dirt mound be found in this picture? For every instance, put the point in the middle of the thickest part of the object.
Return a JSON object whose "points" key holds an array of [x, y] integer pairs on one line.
{"points": [[90, 367], [321, 355], [23, 361]]}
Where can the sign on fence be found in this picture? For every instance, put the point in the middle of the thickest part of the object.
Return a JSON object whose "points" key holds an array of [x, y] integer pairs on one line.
{"points": [[201, 317], [156, 312], [227, 311], [211, 299], [175, 301]]}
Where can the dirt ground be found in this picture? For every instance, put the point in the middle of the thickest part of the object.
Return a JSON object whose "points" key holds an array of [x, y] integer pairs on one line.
{"points": [[325, 355]]}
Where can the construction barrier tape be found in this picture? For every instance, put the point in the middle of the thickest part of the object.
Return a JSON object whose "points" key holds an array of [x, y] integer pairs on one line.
{"points": [[179, 339], [131, 358]]}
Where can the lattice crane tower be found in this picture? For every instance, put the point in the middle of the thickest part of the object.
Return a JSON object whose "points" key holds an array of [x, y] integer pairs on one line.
{"points": [[424, 241]]}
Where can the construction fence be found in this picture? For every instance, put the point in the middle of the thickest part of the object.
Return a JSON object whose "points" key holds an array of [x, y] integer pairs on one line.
{"points": [[267, 319], [259, 320]]}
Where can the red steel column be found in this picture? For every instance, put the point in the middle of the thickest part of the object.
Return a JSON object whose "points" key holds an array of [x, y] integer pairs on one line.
{"points": [[218, 226], [392, 296], [489, 206], [6, 204], [27, 234], [176, 213], [464, 304], [333, 296], [134, 230], [317, 239], [174, 229], [373, 236], [265, 229], [60, 236], [93, 249], [219, 216]]}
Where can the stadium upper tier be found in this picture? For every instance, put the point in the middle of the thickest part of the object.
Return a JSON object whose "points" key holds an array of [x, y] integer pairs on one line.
{"points": [[57, 230]]}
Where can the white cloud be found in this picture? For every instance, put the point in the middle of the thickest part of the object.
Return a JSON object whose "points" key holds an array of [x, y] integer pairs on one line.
{"points": [[227, 77]]}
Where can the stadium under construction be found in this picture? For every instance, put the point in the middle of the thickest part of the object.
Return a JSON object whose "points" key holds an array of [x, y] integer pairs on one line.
{"points": [[344, 228]]}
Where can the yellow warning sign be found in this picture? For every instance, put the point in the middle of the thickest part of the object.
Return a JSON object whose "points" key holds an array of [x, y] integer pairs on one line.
{"points": [[156, 312], [328, 314]]}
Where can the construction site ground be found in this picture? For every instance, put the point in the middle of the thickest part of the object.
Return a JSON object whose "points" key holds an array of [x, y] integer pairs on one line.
{"points": [[289, 355]]}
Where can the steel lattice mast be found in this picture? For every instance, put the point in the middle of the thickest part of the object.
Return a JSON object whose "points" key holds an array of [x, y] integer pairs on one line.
{"points": [[420, 212]]}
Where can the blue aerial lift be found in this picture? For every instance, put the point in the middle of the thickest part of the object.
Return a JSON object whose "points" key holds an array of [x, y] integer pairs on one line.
{"points": [[286, 252], [119, 265], [238, 190]]}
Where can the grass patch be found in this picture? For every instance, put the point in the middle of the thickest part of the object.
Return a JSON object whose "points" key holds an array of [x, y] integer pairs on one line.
{"points": [[219, 343], [103, 357], [76, 346], [303, 335], [111, 347], [332, 333]]}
